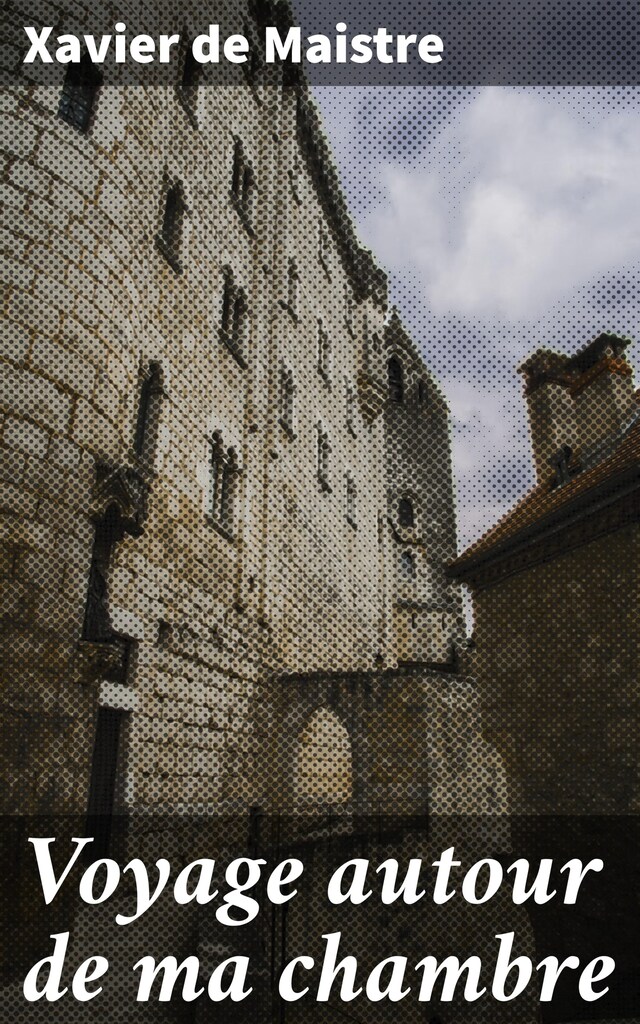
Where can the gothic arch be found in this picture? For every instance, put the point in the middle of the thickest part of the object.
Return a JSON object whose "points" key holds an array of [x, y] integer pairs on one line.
{"points": [[324, 764]]}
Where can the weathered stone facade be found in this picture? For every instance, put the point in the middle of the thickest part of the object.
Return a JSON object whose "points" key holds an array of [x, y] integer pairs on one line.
{"points": [[426, 612], [226, 510], [220, 516]]}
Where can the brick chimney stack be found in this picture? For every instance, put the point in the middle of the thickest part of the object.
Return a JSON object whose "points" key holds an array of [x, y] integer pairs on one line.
{"points": [[580, 401]]}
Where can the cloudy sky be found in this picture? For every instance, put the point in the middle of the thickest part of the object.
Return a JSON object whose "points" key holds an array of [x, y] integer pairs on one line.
{"points": [[508, 219]]}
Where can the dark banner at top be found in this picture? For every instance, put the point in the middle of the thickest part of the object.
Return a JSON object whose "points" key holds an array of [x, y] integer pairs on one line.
{"points": [[459, 43]]}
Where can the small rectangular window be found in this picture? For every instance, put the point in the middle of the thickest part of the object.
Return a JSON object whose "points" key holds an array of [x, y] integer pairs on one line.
{"points": [[294, 181], [224, 473], [234, 324], [287, 401], [242, 186], [323, 456], [395, 374], [169, 239], [408, 565], [148, 414], [324, 353], [79, 92], [351, 498], [351, 409], [406, 514], [293, 281]]}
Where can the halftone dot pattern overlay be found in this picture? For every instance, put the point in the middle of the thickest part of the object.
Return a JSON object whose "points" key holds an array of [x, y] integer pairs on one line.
{"points": [[448, 43], [294, 564]]}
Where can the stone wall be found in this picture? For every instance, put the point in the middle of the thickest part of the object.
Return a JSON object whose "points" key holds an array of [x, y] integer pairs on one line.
{"points": [[203, 461], [557, 673], [420, 527]]}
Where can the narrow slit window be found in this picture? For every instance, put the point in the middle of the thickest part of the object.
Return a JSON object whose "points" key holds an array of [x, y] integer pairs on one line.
{"points": [[148, 413], [406, 515], [239, 320], [79, 92], [324, 457], [351, 500], [293, 280], [170, 238], [234, 325], [227, 494], [109, 531], [396, 380], [106, 777], [287, 400], [324, 353], [324, 250], [224, 472], [351, 410], [242, 185]]}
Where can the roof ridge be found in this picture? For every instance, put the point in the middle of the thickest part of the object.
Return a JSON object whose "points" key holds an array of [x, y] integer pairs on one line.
{"points": [[543, 500]]}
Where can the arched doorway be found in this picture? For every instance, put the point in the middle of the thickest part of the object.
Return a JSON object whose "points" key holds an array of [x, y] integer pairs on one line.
{"points": [[323, 772]]}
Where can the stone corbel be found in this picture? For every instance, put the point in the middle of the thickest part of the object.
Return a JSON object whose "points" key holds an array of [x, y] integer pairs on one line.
{"points": [[94, 661], [124, 488]]}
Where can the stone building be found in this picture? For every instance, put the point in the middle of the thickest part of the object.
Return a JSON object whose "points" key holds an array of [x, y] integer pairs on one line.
{"points": [[555, 593], [421, 516], [226, 498]]}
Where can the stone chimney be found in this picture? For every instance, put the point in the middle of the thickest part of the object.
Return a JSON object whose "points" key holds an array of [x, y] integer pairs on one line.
{"points": [[602, 391], [578, 401], [551, 410]]}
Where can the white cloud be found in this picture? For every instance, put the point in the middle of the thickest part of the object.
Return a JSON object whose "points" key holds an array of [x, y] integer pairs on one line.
{"points": [[515, 205], [490, 451], [508, 219]]}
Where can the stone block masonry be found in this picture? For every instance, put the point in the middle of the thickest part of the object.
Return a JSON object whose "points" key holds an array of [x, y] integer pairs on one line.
{"points": [[214, 479]]}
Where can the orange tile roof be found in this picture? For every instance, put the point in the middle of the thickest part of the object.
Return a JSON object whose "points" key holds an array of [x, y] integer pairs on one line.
{"points": [[547, 500]]}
